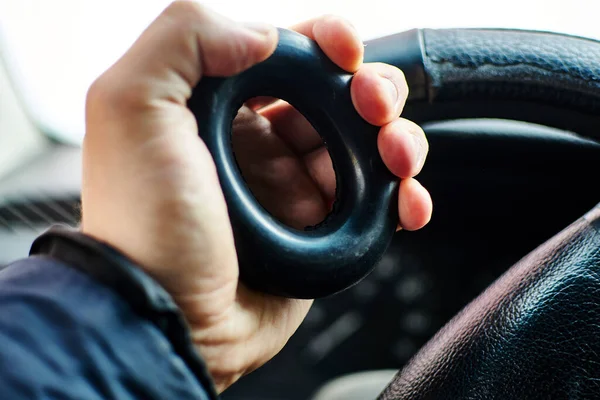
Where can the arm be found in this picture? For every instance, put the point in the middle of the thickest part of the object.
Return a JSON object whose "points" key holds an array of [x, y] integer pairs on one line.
{"points": [[80, 321]]}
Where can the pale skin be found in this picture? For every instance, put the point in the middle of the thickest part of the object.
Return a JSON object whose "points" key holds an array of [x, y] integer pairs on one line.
{"points": [[150, 188]]}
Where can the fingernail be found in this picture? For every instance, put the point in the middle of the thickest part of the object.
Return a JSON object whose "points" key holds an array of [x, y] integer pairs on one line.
{"points": [[392, 89], [419, 150], [260, 28]]}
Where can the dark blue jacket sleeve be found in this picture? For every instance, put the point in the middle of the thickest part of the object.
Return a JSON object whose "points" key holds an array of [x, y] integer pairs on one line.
{"points": [[66, 333]]}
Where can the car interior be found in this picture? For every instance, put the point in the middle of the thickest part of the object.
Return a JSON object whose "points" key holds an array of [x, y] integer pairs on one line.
{"points": [[514, 160]]}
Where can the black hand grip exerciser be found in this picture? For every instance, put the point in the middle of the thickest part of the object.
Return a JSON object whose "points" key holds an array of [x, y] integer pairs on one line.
{"points": [[343, 249]]}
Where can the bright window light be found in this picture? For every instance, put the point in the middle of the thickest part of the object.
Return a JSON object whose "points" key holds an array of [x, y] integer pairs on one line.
{"points": [[55, 49]]}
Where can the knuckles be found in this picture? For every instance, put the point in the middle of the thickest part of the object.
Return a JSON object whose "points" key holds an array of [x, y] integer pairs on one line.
{"points": [[108, 95]]}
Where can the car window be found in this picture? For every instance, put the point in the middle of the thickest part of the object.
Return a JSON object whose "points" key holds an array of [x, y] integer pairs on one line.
{"points": [[54, 49]]}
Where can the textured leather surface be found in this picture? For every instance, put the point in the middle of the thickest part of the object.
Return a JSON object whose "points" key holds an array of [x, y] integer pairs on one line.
{"points": [[508, 65], [534, 334]]}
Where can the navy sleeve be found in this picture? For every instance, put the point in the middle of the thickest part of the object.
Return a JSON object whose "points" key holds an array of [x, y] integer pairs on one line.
{"points": [[67, 332]]}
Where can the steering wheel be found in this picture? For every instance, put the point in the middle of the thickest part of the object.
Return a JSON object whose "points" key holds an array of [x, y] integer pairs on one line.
{"points": [[534, 333]]}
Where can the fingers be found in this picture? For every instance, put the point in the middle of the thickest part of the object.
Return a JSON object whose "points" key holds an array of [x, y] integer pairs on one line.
{"points": [[414, 205], [379, 92], [320, 168], [214, 45], [414, 202], [292, 127], [403, 147], [277, 177], [185, 42], [397, 142], [337, 38]]}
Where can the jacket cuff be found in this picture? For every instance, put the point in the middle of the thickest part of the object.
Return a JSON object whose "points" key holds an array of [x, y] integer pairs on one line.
{"points": [[147, 298]]}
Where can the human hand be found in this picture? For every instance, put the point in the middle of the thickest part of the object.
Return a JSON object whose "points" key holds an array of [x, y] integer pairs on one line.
{"points": [[150, 188]]}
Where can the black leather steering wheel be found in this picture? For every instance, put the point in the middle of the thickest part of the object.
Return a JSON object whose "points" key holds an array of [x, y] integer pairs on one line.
{"points": [[544, 78], [535, 334]]}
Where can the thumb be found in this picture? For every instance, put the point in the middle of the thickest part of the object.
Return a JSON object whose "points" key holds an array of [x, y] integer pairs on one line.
{"points": [[185, 42]]}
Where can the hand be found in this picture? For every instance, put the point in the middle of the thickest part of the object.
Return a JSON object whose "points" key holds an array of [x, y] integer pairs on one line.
{"points": [[150, 188]]}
